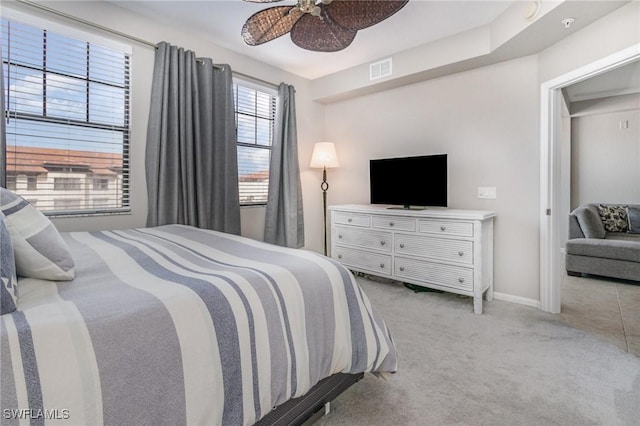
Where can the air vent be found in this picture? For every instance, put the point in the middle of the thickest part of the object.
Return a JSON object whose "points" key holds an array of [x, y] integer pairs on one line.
{"points": [[380, 69]]}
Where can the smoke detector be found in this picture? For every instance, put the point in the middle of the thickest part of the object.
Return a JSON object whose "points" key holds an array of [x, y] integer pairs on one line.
{"points": [[566, 22]]}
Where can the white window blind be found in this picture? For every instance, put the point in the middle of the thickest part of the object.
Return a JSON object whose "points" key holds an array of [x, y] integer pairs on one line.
{"points": [[67, 115], [255, 110]]}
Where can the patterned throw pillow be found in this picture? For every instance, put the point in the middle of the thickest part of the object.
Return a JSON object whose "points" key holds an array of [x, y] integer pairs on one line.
{"points": [[9, 285], [633, 217], [614, 217], [40, 251]]}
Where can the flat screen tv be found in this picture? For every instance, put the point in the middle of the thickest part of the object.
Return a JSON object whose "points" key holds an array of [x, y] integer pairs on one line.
{"points": [[409, 182]]}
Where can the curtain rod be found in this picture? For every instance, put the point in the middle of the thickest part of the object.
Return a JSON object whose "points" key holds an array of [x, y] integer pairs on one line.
{"points": [[85, 22], [121, 34], [259, 80]]}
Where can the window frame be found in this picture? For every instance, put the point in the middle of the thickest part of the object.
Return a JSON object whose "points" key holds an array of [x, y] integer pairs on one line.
{"points": [[122, 195], [272, 91]]}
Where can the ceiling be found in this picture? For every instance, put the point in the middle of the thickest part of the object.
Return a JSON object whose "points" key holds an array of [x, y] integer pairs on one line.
{"points": [[619, 81], [419, 22]]}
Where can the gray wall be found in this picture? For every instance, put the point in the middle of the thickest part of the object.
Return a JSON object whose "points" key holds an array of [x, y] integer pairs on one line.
{"points": [[605, 158]]}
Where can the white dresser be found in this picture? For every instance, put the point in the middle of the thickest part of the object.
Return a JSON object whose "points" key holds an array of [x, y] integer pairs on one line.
{"points": [[440, 248]]}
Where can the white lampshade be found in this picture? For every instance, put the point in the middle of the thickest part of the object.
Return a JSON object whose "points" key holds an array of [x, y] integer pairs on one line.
{"points": [[324, 155]]}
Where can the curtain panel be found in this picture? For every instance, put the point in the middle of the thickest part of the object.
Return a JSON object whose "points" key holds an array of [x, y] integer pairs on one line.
{"points": [[191, 152], [284, 219], [3, 130]]}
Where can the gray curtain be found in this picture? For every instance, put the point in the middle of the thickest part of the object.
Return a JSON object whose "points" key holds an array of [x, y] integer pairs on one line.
{"points": [[3, 131], [284, 221], [191, 157]]}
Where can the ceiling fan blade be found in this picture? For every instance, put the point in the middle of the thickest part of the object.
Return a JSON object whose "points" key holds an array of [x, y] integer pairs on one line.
{"points": [[360, 14], [270, 23], [321, 35]]}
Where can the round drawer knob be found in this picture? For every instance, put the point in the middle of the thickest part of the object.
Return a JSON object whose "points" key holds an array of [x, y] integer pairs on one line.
{"points": [[382, 265], [443, 228], [349, 220], [391, 223], [460, 253], [461, 280], [401, 245], [339, 236], [382, 243], [339, 256], [402, 268]]}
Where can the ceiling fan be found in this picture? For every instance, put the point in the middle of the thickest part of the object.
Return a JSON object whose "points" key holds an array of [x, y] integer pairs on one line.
{"points": [[320, 26]]}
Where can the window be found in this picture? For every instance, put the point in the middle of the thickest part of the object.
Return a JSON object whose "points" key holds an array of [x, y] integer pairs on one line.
{"points": [[100, 184], [67, 111], [67, 184], [32, 182], [255, 109], [11, 182]]}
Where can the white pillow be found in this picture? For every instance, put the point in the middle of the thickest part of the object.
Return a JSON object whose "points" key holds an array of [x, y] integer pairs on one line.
{"points": [[9, 284], [40, 251]]}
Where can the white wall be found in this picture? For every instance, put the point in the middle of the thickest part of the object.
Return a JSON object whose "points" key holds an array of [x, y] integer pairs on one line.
{"points": [[605, 158], [564, 208], [486, 120], [612, 33]]}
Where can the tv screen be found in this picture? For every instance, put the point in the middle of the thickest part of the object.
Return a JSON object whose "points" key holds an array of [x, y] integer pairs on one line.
{"points": [[409, 181]]}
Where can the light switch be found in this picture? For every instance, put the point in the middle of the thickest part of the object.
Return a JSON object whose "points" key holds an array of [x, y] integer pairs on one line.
{"points": [[488, 192]]}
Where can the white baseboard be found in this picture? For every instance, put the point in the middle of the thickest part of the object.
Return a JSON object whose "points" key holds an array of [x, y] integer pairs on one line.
{"points": [[516, 299]]}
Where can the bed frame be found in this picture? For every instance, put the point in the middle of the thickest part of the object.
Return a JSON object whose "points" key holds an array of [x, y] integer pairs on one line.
{"points": [[310, 406]]}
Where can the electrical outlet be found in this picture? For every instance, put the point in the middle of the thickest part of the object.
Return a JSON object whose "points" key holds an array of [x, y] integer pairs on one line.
{"points": [[488, 192]]}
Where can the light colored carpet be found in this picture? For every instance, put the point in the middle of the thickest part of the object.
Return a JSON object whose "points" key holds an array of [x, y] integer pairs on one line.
{"points": [[514, 365]]}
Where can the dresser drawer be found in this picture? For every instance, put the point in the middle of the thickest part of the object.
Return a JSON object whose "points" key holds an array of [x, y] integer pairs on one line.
{"points": [[433, 247], [394, 223], [457, 277], [445, 227], [363, 260], [366, 238], [354, 219]]}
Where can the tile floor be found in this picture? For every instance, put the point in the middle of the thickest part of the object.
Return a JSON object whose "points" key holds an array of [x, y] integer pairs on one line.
{"points": [[606, 307]]}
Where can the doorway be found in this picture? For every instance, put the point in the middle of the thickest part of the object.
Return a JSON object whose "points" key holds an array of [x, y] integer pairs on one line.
{"points": [[553, 194]]}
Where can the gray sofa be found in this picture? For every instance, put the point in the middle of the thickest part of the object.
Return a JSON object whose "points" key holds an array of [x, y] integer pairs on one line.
{"points": [[591, 249]]}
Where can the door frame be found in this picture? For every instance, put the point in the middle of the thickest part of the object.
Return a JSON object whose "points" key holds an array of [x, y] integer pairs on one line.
{"points": [[551, 272]]}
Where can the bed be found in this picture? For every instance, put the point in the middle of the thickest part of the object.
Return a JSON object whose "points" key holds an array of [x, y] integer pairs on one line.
{"points": [[179, 325]]}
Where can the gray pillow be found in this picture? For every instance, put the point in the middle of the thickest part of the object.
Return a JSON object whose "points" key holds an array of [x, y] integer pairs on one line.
{"points": [[590, 221], [633, 217], [614, 217], [40, 251], [9, 285]]}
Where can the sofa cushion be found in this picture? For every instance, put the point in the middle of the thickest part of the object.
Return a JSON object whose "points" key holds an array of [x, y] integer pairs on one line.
{"points": [[627, 249], [614, 217], [590, 221], [633, 218]]}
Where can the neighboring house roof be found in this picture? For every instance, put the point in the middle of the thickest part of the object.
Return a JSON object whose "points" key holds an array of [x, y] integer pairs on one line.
{"points": [[261, 176], [26, 159]]}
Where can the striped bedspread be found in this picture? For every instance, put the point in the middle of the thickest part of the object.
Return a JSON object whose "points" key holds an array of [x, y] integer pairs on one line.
{"points": [[176, 325]]}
